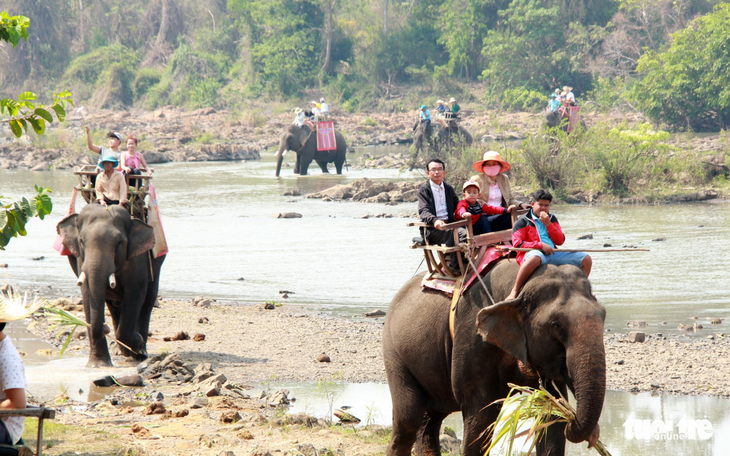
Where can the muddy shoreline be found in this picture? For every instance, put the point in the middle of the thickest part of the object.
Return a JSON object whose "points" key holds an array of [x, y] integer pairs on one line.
{"points": [[253, 344]]}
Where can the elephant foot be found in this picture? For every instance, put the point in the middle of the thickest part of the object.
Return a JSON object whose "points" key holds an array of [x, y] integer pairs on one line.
{"points": [[141, 356], [95, 363]]}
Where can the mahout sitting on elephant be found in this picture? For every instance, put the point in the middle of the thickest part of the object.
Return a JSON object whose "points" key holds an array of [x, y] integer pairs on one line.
{"points": [[303, 141], [552, 332], [440, 138], [110, 256]]}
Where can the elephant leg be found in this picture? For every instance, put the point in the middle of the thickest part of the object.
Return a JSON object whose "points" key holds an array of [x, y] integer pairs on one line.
{"points": [[427, 442], [340, 161], [296, 165], [409, 409], [323, 166], [476, 422], [143, 322], [553, 443], [126, 331]]}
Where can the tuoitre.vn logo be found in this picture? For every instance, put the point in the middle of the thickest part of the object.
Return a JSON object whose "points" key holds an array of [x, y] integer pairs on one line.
{"points": [[667, 429]]}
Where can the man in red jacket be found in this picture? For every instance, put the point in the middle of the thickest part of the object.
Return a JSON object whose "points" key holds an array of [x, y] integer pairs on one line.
{"points": [[540, 230]]}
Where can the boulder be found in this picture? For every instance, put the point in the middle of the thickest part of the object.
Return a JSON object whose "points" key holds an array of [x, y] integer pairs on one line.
{"points": [[637, 336]]}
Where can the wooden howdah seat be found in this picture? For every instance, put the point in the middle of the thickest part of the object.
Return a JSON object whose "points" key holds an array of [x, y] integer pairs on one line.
{"points": [[437, 256], [41, 413], [135, 195]]}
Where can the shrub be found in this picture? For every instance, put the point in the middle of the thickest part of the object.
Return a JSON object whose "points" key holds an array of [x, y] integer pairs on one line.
{"points": [[522, 99], [97, 71], [145, 79]]}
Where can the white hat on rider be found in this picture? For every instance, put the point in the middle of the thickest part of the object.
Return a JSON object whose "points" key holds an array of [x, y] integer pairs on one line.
{"points": [[439, 101], [452, 100], [321, 100]]}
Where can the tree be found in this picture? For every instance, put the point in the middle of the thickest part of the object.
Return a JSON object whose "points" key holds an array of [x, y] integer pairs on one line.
{"points": [[688, 85], [20, 113]]}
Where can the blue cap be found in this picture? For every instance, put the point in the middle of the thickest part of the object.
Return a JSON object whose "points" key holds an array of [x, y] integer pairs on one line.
{"points": [[552, 95], [109, 159], [423, 106]]}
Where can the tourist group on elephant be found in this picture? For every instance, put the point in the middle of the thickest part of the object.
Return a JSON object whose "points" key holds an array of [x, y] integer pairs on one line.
{"points": [[533, 321]]}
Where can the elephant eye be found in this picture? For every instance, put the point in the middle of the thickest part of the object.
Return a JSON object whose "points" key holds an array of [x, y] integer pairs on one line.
{"points": [[556, 325]]}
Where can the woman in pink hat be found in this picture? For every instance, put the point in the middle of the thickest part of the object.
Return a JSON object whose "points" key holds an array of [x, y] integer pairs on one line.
{"points": [[495, 189]]}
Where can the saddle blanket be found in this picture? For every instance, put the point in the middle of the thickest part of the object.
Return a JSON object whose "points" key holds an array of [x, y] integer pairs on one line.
{"points": [[326, 136]]}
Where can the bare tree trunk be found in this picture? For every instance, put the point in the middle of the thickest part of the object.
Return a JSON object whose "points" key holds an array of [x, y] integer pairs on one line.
{"points": [[164, 24], [328, 32]]}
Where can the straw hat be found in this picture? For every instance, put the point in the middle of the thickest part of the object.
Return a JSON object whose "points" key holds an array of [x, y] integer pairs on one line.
{"points": [[452, 100], [297, 110], [14, 307], [469, 183], [491, 156], [439, 101], [557, 91], [567, 89]]}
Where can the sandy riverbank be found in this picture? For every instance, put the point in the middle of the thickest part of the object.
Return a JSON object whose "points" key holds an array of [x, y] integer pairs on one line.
{"points": [[251, 344]]}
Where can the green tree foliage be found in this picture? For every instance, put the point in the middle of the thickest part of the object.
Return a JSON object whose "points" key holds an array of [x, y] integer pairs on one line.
{"points": [[14, 216], [688, 85], [21, 113]]}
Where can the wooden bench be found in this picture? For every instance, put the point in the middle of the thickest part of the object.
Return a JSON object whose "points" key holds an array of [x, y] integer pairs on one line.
{"points": [[474, 248], [86, 188], [41, 413]]}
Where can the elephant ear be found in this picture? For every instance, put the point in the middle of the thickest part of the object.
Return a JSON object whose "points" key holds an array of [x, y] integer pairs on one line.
{"points": [[301, 137], [141, 238], [501, 325], [68, 229]]}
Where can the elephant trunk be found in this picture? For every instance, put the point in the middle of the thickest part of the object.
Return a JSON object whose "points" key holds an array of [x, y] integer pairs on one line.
{"points": [[586, 362], [98, 272], [279, 158]]}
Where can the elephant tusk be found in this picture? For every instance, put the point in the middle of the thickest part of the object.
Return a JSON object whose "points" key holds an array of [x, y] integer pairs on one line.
{"points": [[283, 154], [82, 278], [112, 280]]}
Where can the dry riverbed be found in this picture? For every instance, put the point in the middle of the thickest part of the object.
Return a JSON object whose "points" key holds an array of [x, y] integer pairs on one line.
{"points": [[253, 344]]}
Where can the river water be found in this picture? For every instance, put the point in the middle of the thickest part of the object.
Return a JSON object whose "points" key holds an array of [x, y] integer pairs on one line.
{"points": [[219, 226]]}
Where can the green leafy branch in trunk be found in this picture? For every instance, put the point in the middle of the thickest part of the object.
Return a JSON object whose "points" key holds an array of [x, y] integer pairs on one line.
{"points": [[14, 216], [523, 404]]}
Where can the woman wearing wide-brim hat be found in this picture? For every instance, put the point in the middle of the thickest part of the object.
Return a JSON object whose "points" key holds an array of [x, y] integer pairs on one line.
{"points": [[111, 188], [12, 373], [495, 189]]}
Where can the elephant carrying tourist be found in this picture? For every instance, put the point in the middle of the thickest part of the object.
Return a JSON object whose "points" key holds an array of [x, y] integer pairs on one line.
{"points": [[553, 331], [440, 138], [110, 256], [555, 119], [303, 141]]}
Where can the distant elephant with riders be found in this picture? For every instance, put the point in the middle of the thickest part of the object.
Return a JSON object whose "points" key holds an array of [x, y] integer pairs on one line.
{"points": [[439, 137], [553, 331], [111, 256], [303, 142]]}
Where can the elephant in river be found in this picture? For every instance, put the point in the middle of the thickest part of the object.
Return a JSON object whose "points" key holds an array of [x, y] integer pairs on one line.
{"points": [[303, 141], [553, 331], [109, 255], [440, 138]]}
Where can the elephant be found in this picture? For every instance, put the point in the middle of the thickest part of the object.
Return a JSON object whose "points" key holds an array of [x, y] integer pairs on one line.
{"points": [[109, 255], [554, 119], [552, 331], [303, 141], [442, 138]]}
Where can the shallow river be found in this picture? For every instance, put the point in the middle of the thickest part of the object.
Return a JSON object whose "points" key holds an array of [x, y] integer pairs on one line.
{"points": [[219, 226]]}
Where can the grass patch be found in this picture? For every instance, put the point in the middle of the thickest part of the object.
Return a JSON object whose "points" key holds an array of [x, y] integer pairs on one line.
{"points": [[72, 440]]}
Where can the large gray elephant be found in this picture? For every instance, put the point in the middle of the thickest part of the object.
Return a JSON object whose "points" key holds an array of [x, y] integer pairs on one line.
{"points": [[440, 138], [109, 255], [303, 141], [553, 331]]}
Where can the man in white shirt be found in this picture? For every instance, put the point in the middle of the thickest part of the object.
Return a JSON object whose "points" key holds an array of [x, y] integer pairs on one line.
{"points": [[324, 107], [437, 202]]}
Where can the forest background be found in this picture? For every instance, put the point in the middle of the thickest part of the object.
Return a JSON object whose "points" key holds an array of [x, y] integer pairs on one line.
{"points": [[640, 54], [667, 62]]}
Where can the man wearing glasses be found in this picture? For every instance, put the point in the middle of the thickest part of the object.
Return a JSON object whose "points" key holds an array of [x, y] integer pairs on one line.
{"points": [[437, 202]]}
